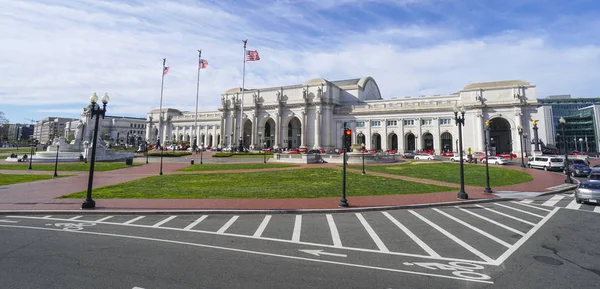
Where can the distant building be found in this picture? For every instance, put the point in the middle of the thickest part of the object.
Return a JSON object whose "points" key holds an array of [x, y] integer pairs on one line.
{"points": [[46, 129], [112, 128], [19, 132]]}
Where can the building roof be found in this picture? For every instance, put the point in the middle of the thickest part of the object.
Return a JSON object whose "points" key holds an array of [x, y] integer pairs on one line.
{"points": [[496, 84]]}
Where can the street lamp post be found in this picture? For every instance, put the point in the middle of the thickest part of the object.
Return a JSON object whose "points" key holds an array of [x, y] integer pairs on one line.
{"points": [[568, 180], [56, 160], [146, 149], [98, 112], [201, 149], [31, 155], [363, 157], [487, 189], [260, 137], [264, 152], [520, 130], [460, 122]]}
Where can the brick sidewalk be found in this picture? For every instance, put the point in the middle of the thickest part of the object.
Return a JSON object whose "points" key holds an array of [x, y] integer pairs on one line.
{"points": [[42, 195]]}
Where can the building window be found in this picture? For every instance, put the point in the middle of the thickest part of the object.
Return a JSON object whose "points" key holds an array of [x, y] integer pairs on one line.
{"points": [[360, 124], [445, 121], [426, 122], [375, 123], [210, 127], [392, 123], [409, 122]]}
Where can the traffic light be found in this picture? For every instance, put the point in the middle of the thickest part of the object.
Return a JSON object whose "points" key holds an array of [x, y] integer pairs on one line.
{"points": [[347, 139]]}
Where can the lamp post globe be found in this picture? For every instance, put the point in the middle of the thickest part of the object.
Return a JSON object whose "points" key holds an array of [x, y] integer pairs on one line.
{"points": [[94, 111]]}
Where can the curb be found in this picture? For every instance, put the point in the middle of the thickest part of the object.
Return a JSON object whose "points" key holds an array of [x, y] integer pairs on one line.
{"points": [[246, 212]]}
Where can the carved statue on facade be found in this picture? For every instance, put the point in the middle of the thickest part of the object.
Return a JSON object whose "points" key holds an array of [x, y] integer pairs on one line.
{"points": [[320, 92], [535, 122]]}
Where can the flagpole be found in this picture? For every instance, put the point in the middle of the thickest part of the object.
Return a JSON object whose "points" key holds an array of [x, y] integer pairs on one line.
{"points": [[197, 93], [241, 148], [162, 83]]}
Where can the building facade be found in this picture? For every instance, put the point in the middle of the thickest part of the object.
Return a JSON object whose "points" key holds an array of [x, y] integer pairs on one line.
{"points": [[313, 115], [111, 128], [46, 129], [20, 132]]}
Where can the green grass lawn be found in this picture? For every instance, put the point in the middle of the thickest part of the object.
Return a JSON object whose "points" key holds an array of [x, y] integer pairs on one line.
{"points": [[9, 179], [223, 167], [302, 183], [70, 167], [449, 172]]}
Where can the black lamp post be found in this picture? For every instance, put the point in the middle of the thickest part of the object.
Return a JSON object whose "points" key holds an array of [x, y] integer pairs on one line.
{"points": [[264, 152], [98, 112], [535, 136], [363, 157], [486, 131], [460, 122], [56, 160], [201, 149], [146, 149], [159, 146], [567, 172], [31, 155], [520, 130]]}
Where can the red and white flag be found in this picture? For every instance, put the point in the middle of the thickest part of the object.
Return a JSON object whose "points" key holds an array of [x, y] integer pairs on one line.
{"points": [[252, 55], [165, 70], [203, 64]]}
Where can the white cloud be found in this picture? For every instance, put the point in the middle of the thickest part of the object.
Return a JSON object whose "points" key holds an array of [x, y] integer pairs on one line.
{"points": [[55, 53]]}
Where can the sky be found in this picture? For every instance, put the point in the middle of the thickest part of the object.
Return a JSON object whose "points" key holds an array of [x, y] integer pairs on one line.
{"points": [[55, 53]]}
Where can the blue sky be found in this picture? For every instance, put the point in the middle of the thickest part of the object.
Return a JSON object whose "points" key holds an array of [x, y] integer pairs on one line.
{"points": [[55, 53]]}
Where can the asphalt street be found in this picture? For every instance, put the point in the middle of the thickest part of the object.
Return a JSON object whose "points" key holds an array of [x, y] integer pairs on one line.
{"points": [[543, 242]]}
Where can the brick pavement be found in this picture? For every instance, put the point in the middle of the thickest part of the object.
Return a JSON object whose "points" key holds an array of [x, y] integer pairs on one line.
{"points": [[42, 195]]}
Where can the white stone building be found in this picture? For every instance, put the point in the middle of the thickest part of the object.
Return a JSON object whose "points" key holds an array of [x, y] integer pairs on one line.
{"points": [[313, 115]]}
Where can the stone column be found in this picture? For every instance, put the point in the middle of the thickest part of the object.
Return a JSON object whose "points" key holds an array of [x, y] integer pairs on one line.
{"points": [[384, 137], [480, 125], [401, 138], [318, 129], [277, 143], [437, 143], [303, 126]]}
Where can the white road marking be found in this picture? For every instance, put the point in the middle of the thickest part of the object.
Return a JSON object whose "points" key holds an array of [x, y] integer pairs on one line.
{"points": [[453, 238], [103, 219], [597, 209], [527, 201], [530, 206], [552, 201], [194, 223], [414, 237], [492, 221], [490, 236], [164, 221], [335, 236], [133, 220], [76, 217], [519, 210], [46, 217], [137, 288], [8, 221], [318, 253], [276, 240], [257, 253], [372, 233], [227, 225], [262, 226], [506, 215], [297, 228], [522, 241], [573, 205]]}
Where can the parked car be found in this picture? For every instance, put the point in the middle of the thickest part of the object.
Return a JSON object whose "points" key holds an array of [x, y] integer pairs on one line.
{"points": [[427, 157], [507, 155], [594, 176], [494, 160], [578, 168], [409, 155], [456, 158], [588, 192], [447, 154], [546, 162]]}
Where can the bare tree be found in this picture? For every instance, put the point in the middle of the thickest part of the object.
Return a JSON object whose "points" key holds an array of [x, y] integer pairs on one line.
{"points": [[3, 127]]}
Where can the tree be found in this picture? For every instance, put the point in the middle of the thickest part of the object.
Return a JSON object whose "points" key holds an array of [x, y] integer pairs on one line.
{"points": [[3, 127]]}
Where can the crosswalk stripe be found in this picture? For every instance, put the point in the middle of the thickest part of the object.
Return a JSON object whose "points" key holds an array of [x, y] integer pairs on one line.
{"points": [[227, 225], [262, 226], [597, 209], [573, 205], [506, 215], [410, 234], [133, 220], [75, 218], [490, 236], [530, 206], [552, 201], [492, 221], [196, 222], [372, 233], [335, 235], [163, 221], [527, 201], [297, 228], [453, 238], [103, 219], [519, 210]]}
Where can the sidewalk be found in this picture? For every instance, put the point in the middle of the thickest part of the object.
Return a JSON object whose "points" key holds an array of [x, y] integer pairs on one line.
{"points": [[42, 195]]}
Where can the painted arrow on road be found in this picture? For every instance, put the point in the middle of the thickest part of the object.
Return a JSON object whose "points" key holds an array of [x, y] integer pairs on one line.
{"points": [[320, 252]]}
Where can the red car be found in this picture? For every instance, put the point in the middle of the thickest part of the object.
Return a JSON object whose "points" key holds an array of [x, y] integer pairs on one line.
{"points": [[302, 150], [447, 154], [507, 155]]}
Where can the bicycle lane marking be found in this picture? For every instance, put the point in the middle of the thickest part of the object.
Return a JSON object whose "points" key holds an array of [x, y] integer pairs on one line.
{"points": [[481, 279]]}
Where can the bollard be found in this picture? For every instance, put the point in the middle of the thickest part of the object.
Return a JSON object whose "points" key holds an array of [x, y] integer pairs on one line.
{"points": [[191, 162]]}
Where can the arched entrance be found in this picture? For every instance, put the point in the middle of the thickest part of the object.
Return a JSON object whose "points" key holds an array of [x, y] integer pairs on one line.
{"points": [[428, 142], [446, 141], [376, 142], [294, 131], [393, 142], [269, 133], [361, 139], [210, 140], [247, 133], [409, 140], [500, 135]]}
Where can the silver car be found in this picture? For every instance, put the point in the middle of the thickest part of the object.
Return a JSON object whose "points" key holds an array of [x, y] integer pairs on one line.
{"points": [[588, 192]]}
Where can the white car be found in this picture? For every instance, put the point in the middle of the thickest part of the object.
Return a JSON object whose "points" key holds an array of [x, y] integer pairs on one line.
{"points": [[456, 158], [424, 157], [495, 160]]}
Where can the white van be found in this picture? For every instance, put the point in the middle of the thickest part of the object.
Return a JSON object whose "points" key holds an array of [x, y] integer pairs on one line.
{"points": [[546, 163]]}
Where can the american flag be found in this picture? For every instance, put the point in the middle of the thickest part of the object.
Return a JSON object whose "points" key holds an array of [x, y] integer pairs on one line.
{"points": [[252, 55], [165, 70], [203, 64]]}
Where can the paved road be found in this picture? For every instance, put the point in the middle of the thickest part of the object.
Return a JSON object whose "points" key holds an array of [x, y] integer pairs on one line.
{"points": [[446, 247]]}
